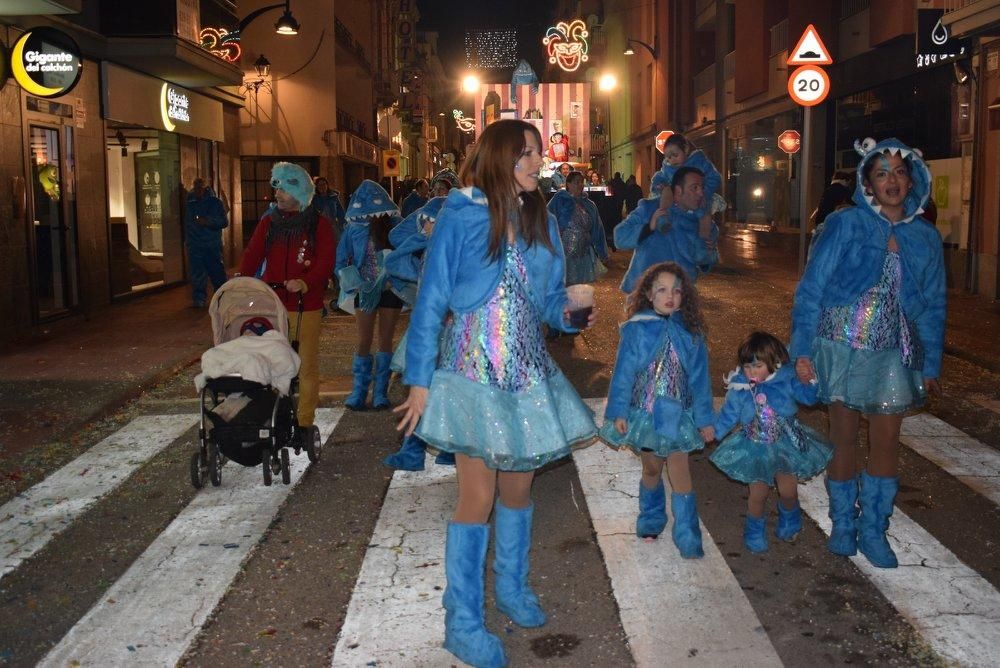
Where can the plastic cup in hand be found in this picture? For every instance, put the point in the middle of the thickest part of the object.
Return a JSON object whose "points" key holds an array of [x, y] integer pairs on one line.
{"points": [[581, 304]]}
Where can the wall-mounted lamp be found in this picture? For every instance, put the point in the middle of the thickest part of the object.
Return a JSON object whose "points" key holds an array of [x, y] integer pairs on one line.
{"points": [[654, 50], [262, 66], [962, 71], [286, 25]]}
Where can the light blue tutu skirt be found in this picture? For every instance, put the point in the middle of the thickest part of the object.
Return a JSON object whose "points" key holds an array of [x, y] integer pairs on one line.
{"points": [[642, 437], [398, 363], [874, 382], [747, 460], [581, 269]]}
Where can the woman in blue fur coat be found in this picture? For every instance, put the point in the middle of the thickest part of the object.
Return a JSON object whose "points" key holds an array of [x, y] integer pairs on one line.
{"points": [[771, 447], [493, 396], [868, 324], [581, 230], [660, 399]]}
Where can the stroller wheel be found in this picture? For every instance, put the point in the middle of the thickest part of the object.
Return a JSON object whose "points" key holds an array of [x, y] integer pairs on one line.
{"points": [[197, 474], [286, 474], [314, 444], [214, 465], [266, 466]]}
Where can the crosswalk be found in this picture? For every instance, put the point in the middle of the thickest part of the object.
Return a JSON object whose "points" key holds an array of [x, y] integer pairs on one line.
{"points": [[153, 613]]}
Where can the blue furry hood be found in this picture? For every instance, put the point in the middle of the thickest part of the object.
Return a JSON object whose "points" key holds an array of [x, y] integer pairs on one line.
{"points": [[369, 200], [293, 180], [920, 176], [428, 213], [658, 183]]}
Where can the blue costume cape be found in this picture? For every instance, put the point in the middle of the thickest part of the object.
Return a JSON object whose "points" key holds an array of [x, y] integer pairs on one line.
{"points": [[783, 389], [562, 206]]}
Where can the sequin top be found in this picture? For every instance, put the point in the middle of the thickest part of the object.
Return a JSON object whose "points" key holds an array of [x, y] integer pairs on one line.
{"points": [[500, 343], [576, 237], [664, 377], [768, 425], [876, 320], [369, 266]]}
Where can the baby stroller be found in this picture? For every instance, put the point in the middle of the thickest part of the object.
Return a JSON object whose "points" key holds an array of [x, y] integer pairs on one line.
{"points": [[249, 397]]}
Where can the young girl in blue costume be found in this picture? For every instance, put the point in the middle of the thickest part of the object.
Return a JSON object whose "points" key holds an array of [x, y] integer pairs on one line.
{"points": [[494, 396], [405, 265], [581, 230], [679, 152], [868, 324], [364, 289], [771, 447], [660, 399]]}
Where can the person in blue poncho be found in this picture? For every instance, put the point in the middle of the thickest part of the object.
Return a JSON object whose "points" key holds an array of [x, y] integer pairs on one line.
{"points": [[365, 290], [581, 230], [868, 324], [493, 396]]}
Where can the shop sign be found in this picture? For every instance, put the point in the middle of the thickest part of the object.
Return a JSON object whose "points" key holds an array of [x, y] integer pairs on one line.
{"points": [[935, 45], [175, 105], [405, 33], [46, 62], [790, 141]]}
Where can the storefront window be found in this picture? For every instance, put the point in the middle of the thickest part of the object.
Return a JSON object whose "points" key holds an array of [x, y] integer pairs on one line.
{"points": [[144, 204]]}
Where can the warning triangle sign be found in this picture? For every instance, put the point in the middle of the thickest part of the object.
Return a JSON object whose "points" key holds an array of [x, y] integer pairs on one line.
{"points": [[810, 50]]}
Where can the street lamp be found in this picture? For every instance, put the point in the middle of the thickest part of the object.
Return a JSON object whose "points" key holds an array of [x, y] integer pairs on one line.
{"points": [[654, 50], [286, 25], [470, 84], [607, 83]]}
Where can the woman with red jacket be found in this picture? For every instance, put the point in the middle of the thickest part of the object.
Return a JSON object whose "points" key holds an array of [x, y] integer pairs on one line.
{"points": [[297, 245]]}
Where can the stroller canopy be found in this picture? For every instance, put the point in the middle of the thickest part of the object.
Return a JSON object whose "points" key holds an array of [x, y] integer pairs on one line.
{"points": [[245, 303]]}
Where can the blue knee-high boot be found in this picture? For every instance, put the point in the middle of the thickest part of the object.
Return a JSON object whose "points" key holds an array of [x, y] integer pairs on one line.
{"points": [[843, 513], [687, 532], [362, 370], [877, 496], [789, 522], [755, 533], [383, 372], [652, 511], [465, 633], [510, 566], [410, 456]]}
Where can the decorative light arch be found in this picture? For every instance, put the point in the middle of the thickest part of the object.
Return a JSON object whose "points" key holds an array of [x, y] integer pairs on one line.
{"points": [[566, 44], [222, 43], [464, 124]]}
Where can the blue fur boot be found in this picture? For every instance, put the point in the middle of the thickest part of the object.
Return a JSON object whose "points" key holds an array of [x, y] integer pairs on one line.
{"points": [[445, 458], [465, 633], [383, 372], [652, 511], [410, 456], [510, 566], [755, 533], [789, 522], [687, 532], [843, 513], [362, 370], [877, 496]]}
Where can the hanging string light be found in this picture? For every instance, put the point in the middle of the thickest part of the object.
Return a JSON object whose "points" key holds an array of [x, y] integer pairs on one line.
{"points": [[491, 49]]}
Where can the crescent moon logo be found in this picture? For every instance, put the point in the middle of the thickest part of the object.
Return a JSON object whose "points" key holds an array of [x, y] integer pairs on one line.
{"points": [[164, 107], [22, 77]]}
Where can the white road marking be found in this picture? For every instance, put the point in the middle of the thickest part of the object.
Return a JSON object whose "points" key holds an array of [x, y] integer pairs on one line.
{"points": [[949, 604], [31, 519], [395, 616], [153, 612], [975, 464], [669, 606]]}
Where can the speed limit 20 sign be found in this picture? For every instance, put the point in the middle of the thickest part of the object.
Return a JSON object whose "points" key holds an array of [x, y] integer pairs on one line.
{"points": [[809, 85]]}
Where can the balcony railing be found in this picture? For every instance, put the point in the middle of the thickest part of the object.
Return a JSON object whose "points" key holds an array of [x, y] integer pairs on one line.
{"points": [[348, 123], [729, 65], [849, 8], [346, 40], [955, 5], [779, 37]]}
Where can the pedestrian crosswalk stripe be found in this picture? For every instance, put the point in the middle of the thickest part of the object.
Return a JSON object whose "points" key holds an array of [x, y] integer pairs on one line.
{"points": [[975, 464], [153, 612], [949, 604], [662, 596], [31, 519], [395, 615]]}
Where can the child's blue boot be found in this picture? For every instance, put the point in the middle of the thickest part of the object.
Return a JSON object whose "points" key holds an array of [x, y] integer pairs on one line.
{"points": [[755, 533], [510, 566], [383, 373], [843, 513], [877, 496], [445, 458], [465, 633], [362, 370], [789, 522], [409, 457], [652, 511], [687, 532]]}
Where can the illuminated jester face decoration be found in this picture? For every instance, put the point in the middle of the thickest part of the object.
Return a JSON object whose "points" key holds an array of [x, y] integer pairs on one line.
{"points": [[567, 44]]}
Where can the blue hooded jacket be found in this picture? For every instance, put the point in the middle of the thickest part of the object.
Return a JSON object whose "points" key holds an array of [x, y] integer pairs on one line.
{"points": [[404, 264], [211, 208], [679, 244], [783, 389], [460, 276], [562, 206], [642, 337], [848, 254], [700, 161], [412, 223], [412, 202], [368, 201]]}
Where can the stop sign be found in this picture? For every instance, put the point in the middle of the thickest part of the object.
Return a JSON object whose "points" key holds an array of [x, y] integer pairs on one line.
{"points": [[661, 139], [790, 141]]}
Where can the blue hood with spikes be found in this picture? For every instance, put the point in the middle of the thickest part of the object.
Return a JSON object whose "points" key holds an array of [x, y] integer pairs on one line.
{"points": [[370, 199], [916, 199]]}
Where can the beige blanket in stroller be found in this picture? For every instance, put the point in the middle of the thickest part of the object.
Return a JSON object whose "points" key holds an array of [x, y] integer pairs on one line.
{"points": [[267, 359]]}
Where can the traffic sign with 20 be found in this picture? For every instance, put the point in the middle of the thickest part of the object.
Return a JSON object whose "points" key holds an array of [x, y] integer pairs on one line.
{"points": [[809, 85]]}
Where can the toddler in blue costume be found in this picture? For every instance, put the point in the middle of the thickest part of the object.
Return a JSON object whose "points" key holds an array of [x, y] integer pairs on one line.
{"points": [[405, 264], [771, 447], [660, 399], [868, 324], [493, 395]]}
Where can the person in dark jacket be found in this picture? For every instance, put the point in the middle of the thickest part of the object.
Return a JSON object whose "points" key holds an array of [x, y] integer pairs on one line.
{"points": [[633, 193], [836, 195], [415, 199], [204, 220]]}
